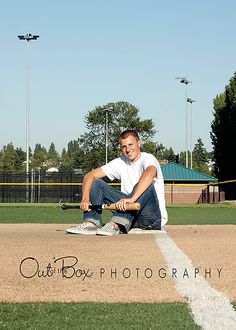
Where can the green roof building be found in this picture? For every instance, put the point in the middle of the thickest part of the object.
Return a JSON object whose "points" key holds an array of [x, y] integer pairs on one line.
{"points": [[174, 172], [186, 186]]}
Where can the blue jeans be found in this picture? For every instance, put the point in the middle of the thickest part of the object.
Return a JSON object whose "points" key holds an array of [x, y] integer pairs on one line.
{"points": [[148, 217]]}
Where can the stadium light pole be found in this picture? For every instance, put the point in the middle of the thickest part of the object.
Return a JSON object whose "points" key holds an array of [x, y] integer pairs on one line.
{"points": [[28, 37], [184, 80], [107, 110], [189, 100]]}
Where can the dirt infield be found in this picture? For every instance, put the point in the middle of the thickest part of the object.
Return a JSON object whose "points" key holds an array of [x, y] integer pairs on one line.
{"points": [[40, 262]]}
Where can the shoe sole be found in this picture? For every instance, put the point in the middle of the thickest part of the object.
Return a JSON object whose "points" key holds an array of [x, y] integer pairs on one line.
{"points": [[82, 232], [106, 233], [143, 231]]}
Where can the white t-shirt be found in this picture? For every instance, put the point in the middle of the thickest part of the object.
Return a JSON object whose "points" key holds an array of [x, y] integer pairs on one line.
{"points": [[129, 174]]}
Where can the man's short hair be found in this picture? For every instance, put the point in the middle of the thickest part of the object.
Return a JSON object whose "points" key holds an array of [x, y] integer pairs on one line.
{"points": [[127, 133]]}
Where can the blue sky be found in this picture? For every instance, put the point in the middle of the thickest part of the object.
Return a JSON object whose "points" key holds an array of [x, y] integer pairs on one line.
{"points": [[93, 52]]}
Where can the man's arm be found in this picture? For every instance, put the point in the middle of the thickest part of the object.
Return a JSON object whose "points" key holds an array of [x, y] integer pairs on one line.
{"points": [[144, 183], [89, 178]]}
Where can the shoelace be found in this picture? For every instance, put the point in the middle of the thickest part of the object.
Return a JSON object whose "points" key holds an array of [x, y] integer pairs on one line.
{"points": [[81, 226]]}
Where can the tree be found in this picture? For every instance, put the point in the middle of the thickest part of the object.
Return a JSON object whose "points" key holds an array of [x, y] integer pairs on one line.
{"points": [[163, 153], [75, 153], [20, 159], [39, 157], [150, 146], [181, 158], [52, 156], [8, 159], [71, 158], [169, 155], [200, 157], [1, 160], [66, 163], [160, 152], [223, 132], [123, 116]]}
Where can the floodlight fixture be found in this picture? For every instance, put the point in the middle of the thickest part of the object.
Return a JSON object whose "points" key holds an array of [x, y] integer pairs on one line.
{"points": [[183, 80], [189, 100], [28, 37]]}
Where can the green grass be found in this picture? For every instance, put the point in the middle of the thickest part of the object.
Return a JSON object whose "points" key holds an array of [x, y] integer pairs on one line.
{"points": [[95, 316], [178, 214], [48, 213], [202, 214]]}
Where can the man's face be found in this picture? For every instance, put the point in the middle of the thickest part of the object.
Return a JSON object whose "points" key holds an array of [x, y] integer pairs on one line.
{"points": [[131, 148]]}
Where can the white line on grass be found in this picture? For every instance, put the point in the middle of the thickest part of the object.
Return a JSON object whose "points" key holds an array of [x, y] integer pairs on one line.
{"points": [[210, 308]]}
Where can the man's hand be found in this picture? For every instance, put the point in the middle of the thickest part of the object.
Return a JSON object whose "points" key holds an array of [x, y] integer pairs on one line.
{"points": [[121, 204], [87, 185], [84, 205]]}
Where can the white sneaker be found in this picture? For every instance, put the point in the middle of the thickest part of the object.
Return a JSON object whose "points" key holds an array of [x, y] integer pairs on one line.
{"points": [[85, 228], [108, 230]]}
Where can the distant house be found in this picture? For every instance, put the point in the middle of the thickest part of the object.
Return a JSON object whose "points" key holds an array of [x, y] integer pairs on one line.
{"points": [[52, 170], [187, 186]]}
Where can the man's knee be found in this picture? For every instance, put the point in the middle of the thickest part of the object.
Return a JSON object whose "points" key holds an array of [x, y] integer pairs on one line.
{"points": [[98, 183]]}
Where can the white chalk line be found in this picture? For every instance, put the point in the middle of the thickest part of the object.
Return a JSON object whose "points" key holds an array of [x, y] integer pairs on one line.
{"points": [[210, 309]]}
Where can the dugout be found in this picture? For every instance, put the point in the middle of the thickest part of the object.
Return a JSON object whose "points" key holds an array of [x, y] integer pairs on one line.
{"points": [[186, 186]]}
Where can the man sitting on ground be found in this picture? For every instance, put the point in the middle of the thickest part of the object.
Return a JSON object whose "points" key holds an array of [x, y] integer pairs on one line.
{"points": [[141, 181]]}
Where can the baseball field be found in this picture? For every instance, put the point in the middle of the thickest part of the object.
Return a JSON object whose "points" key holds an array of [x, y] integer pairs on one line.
{"points": [[181, 278]]}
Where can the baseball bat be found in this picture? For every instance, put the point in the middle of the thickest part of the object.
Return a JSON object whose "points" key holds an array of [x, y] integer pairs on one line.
{"points": [[112, 206]]}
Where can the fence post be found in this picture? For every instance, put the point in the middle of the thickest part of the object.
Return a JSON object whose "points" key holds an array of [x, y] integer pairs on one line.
{"points": [[171, 194]]}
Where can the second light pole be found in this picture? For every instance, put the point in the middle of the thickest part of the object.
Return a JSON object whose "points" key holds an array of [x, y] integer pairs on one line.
{"points": [[189, 100], [107, 110], [185, 81]]}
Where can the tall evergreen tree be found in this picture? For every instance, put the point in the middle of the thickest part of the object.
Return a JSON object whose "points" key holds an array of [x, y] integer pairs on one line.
{"points": [[66, 163], [9, 159], [223, 132], [20, 159], [39, 158], [200, 157], [160, 152], [169, 155], [52, 156], [182, 157], [1, 160]]}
